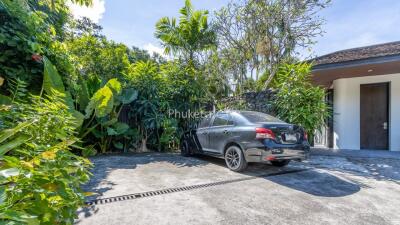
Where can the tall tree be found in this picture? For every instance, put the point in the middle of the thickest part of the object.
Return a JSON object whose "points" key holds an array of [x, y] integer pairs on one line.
{"points": [[266, 33], [85, 26], [99, 58], [193, 34]]}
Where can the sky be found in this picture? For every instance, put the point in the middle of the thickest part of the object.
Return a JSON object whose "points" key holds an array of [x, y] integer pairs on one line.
{"points": [[349, 23]]}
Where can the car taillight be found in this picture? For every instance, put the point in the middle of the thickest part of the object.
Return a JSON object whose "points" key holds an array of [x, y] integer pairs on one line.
{"points": [[305, 136], [264, 133]]}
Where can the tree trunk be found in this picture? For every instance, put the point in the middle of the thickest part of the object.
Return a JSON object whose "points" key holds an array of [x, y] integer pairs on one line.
{"points": [[270, 77], [257, 73], [143, 146]]}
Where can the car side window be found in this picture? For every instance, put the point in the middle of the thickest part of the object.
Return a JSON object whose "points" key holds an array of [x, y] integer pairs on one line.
{"points": [[230, 120], [205, 122], [222, 119]]}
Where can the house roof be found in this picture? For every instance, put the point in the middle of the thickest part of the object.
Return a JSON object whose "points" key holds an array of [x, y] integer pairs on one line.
{"points": [[354, 54], [357, 62]]}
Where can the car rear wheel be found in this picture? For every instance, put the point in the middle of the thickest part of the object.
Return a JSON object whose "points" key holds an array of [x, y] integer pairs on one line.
{"points": [[185, 148], [280, 163], [234, 159]]}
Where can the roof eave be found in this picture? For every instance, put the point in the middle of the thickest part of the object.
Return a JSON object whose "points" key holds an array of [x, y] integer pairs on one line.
{"points": [[359, 62]]}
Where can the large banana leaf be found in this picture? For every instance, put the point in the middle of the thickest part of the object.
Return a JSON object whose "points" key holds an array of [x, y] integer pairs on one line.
{"points": [[117, 128], [83, 97], [128, 95], [102, 102], [121, 127], [52, 81], [115, 86]]}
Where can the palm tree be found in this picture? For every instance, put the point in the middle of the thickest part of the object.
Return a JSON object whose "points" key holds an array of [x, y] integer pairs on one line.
{"points": [[193, 34]]}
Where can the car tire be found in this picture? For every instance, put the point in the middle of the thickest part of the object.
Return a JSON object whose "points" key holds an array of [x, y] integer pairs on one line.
{"points": [[280, 163], [235, 159], [185, 151]]}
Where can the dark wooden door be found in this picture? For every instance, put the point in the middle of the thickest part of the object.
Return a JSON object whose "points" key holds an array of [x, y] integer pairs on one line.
{"points": [[374, 115]]}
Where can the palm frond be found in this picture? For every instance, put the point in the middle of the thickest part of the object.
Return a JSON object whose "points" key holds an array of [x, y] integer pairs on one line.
{"points": [[191, 35]]}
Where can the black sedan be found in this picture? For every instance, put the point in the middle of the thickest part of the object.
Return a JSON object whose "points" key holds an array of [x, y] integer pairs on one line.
{"points": [[246, 136]]}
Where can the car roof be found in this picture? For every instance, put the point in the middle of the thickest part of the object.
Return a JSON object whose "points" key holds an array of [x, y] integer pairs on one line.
{"points": [[235, 110]]}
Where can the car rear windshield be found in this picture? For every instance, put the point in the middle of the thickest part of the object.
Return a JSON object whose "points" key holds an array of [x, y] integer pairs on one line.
{"points": [[256, 117]]}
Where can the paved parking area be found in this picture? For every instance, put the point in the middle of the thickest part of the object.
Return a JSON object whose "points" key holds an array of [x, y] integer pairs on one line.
{"points": [[159, 188]]}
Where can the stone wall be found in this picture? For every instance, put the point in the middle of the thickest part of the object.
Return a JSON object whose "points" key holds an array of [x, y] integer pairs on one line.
{"points": [[255, 101]]}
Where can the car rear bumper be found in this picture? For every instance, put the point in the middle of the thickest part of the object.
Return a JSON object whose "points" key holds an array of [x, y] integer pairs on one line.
{"points": [[266, 155]]}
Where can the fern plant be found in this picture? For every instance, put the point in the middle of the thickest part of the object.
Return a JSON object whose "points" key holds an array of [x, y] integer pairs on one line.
{"points": [[18, 89]]}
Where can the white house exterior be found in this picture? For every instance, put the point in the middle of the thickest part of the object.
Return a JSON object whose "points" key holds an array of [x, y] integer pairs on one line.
{"points": [[363, 86]]}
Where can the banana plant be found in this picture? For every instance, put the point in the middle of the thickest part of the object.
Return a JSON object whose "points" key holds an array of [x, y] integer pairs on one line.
{"points": [[52, 82], [102, 113]]}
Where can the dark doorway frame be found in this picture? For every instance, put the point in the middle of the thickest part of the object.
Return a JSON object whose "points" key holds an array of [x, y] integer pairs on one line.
{"points": [[388, 91], [330, 101]]}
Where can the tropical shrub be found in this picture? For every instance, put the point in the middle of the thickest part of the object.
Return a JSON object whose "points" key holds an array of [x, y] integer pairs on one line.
{"points": [[187, 90], [147, 111], [162, 89], [169, 138], [297, 100], [102, 113], [39, 176]]}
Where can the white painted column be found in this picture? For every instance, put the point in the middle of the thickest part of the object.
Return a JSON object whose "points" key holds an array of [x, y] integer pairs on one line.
{"points": [[346, 115], [394, 138]]}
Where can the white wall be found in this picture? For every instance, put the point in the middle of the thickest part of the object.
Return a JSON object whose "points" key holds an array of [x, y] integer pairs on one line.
{"points": [[346, 119]]}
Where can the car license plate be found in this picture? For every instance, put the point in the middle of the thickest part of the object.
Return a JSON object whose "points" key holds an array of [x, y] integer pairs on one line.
{"points": [[277, 151], [290, 138]]}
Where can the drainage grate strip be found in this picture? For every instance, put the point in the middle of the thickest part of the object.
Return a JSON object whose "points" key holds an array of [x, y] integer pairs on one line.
{"points": [[185, 188]]}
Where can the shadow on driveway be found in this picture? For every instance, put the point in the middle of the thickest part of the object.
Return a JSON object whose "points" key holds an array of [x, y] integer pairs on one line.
{"points": [[317, 183], [312, 181]]}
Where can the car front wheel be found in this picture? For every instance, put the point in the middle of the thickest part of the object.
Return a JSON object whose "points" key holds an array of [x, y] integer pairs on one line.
{"points": [[234, 159], [280, 163], [185, 148]]}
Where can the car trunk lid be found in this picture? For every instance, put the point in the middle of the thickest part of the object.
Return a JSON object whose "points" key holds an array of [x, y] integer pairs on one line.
{"points": [[285, 133]]}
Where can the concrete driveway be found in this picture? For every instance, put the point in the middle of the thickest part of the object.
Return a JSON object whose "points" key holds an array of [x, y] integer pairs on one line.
{"points": [[170, 189]]}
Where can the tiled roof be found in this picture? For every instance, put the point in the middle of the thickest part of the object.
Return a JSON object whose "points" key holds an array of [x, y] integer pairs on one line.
{"points": [[386, 49]]}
